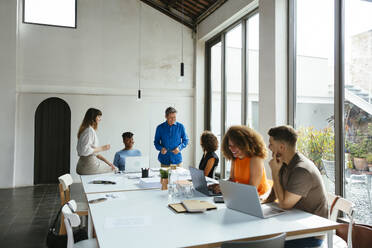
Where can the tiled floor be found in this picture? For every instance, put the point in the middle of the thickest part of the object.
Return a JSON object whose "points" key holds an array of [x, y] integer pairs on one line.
{"points": [[27, 212]]}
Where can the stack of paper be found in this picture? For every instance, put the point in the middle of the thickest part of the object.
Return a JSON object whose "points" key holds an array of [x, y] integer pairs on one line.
{"points": [[150, 182]]}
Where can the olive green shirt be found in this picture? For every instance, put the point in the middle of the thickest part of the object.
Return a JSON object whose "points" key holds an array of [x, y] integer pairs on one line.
{"points": [[302, 177]]}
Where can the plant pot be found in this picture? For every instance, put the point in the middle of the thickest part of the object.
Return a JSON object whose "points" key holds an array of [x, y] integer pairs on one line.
{"points": [[360, 164], [164, 183]]}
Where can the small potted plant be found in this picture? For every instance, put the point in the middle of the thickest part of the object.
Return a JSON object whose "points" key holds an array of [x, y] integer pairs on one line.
{"points": [[164, 178], [358, 152], [369, 161]]}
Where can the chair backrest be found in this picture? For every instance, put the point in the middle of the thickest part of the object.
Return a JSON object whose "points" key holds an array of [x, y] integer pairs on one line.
{"points": [[341, 205], [71, 220], [64, 188], [274, 242], [65, 180], [329, 167], [337, 204]]}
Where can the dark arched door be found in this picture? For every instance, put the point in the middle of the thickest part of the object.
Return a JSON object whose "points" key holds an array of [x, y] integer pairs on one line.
{"points": [[52, 140]]}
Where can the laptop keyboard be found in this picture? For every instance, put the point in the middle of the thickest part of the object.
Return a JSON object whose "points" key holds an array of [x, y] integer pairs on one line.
{"points": [[268, 210]]}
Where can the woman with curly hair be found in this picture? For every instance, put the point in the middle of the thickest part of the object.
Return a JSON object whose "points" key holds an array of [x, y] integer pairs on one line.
{"points": [[209, 161], [247, 151]]}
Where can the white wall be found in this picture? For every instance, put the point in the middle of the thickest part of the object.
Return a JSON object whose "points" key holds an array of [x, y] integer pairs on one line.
{"points": [[8, 27], [96, 65], [120, 113], [272, 65]]}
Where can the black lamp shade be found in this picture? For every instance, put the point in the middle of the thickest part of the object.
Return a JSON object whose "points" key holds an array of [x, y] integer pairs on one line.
{"points": [[139, 94], [182, 69]]}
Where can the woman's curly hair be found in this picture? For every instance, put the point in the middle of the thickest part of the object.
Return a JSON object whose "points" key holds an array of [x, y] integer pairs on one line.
{"points": [[246, 139], [208, 141]]}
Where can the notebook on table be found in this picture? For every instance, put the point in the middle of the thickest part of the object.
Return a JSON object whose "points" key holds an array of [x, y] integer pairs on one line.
{"points": [[192, 206]]}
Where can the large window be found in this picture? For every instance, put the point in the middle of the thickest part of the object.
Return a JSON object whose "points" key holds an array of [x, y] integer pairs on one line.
{"points": [[232, 80], [50, 12], [234, 76], [314, 85], [333, 90], [358, 107]]}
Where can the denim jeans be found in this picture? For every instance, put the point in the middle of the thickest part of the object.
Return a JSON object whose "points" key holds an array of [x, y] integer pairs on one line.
{"points": [[303, 243]]}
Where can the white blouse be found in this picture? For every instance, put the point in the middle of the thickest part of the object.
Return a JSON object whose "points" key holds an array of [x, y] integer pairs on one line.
{"points": [[87, 141]]}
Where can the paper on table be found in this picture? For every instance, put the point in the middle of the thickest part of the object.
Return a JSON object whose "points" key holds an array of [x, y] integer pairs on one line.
{"points": [[150, 182], [134, 175], [121, 222]]}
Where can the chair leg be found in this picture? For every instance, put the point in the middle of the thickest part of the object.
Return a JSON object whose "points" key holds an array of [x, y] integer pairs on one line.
{"points": [[330, 238], [83, 220], [90, 226], [368, 193], [62, 227]]}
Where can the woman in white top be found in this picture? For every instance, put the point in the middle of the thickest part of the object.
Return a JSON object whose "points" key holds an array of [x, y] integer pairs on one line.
{"points": [[88, 148]]}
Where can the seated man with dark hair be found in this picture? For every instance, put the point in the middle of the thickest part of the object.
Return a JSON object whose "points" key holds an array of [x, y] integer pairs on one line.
{"points": [[297, 181], [128, 151]]}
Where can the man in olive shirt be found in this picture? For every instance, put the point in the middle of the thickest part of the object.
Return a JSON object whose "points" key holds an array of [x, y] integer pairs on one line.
{"points": [[297, 181]]}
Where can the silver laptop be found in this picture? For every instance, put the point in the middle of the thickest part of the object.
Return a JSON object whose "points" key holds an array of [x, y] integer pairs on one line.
{"points": [[244, 198], [199, 182], [134, 164]]}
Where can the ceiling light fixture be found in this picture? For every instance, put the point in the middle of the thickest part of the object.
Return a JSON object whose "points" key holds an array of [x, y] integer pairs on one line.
{"points": [[182, 69], [139, 96]]}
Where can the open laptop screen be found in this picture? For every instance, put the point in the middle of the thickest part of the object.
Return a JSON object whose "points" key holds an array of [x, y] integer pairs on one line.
{"points": [[134, 164]]}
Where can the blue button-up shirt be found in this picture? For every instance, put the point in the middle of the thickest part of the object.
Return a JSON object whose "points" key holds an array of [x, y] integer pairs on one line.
{"points": [[170, 137]]}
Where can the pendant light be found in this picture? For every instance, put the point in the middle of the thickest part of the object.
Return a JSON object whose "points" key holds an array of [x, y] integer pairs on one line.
{"points": [[139, 96], [182, 66]]}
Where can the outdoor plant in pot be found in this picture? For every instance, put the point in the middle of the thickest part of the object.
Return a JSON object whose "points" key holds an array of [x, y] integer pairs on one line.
{"points": [[164, 178], [358, 152]]}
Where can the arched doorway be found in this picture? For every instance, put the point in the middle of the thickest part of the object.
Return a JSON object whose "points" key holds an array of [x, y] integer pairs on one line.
{"points": [[52, 140]]}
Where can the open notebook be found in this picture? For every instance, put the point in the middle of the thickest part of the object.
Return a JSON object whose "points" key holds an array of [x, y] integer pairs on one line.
{"points": [[192, 206]]}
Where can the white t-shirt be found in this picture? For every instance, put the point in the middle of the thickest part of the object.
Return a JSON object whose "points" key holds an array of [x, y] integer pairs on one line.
{"points": [[87, 141]]}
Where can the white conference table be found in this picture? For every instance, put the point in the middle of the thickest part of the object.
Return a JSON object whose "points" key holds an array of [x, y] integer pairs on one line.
{"points": [[124, 182], [143, 219]]}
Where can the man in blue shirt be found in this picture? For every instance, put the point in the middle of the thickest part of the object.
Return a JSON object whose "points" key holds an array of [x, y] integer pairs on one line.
{"points": [[128, 151], [170, 139]]}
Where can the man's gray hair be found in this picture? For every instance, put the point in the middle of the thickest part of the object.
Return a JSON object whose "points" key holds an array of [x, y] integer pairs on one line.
{"points": [[170, 110]]}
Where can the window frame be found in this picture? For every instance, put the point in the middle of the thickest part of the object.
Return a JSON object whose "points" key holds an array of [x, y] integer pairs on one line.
{"points": [[221, 37], [339, 83], [49, 25]]}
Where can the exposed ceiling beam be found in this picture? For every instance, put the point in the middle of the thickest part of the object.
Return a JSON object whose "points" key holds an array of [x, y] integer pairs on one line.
{"points": [[210, 10], [164, 8]]}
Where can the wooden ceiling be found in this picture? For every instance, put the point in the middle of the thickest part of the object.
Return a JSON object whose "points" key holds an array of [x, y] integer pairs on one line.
{"points": [[188, 12]]}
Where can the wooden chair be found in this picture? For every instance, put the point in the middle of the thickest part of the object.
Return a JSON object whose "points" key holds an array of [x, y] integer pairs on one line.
{"points": [[346, 207], [72, 219], [274, 242], [64, 191]]}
